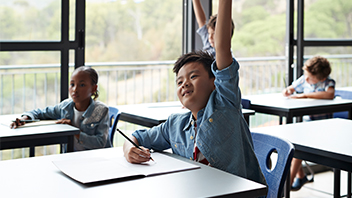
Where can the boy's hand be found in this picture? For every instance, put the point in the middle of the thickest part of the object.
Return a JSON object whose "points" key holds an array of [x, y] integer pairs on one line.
{"points": [[18, 122], [286, 92], [297, 96], [136, 156]]}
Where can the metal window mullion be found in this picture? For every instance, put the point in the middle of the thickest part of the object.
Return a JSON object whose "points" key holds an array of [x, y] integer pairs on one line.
{"points": [[35, 91], [13, 93]]}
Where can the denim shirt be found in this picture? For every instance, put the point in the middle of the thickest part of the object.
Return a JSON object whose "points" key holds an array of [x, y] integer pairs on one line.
{"points": [[223, 135], [94, 125]]}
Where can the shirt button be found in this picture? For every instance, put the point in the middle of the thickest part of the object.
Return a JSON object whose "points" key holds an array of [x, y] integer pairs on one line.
{"points": [[191, 137], [92, 125], [192, 122], [190, 158], [210, 119], [175, 146]]}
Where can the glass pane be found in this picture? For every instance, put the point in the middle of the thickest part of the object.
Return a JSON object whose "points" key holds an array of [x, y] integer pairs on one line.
{"points": [[340, 59], [28, 80], [328, 19], [30, 20], [137, 30]]}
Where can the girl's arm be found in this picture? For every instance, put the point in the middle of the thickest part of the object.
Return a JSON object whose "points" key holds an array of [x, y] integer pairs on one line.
{"points": [[328, 94], [199, 13], [223, 35]]}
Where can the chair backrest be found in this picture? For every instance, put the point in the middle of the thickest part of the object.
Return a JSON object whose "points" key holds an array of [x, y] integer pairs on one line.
{"points": [[264, 146], [246, 104], [345, 95], [114, 115]]}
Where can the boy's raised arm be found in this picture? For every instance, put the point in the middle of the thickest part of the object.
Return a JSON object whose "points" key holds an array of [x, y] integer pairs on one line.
{"points": [[199, 13], [223, 35]]}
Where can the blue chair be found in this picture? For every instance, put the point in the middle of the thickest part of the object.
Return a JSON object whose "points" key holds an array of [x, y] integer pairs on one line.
{"points": [[114, 115], [246, 104], [264, 146], [344, 94]]}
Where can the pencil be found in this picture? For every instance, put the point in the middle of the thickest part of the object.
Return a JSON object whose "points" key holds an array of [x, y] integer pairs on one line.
{"points": [[131, 141], [27, 121]]}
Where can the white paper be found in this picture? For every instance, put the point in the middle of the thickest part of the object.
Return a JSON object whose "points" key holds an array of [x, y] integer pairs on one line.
{"points": [[88, 170]]}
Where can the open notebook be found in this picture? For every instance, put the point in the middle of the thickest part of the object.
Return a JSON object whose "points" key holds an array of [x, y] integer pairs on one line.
{"points": [[89, 170]]}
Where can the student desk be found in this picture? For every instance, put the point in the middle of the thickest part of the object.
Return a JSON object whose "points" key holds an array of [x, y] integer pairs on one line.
{"points": [[32, 136], [277, 104], [152, 114], [327, 142], [39, 177]]}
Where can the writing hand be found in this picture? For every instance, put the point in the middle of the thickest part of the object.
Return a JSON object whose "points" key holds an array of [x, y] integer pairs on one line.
{"points": [[137, 156]]}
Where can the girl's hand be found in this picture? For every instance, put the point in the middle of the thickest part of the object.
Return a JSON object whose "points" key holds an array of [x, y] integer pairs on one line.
{"points": [[64, 121], [136, 156], [18, 122]]}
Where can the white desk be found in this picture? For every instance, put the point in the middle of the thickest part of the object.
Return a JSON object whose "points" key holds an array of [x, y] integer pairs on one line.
{"points": [[35, 135], [327, 142], [277, 104], [39, 177], [152, 114]]}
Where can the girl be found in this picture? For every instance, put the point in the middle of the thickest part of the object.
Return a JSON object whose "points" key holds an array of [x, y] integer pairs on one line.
{"points": [[81, 111]]}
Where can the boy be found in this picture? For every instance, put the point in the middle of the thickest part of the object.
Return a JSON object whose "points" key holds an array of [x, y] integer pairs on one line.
{"points": [[206, 31], [214, 132], [314, 83]]}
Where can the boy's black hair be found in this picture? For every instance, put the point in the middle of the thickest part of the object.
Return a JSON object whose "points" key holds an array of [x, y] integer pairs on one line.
{"points": [[212, 22], [196, 56], [318, 66], [93, 76]]}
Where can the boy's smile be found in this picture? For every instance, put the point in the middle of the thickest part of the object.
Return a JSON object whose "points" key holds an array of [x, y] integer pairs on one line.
{"points": [[194, 86]]}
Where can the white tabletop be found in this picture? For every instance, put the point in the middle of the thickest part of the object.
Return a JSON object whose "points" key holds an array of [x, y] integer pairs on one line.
{"points": [[29, 136], [151, 114], [326, 140], [277, 100], [39, 177]]}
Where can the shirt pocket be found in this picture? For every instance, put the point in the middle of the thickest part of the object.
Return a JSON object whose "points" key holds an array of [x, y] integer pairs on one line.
{"points": [[90, 128], [178, 148], [218, 128]]}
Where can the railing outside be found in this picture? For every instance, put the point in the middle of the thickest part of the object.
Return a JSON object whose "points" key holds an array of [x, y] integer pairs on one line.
{"points": [[26, 87]]}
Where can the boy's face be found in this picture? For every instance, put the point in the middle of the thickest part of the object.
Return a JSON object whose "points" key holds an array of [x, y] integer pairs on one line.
{"points": [[310, 78], [194, 86], [211, 34]]}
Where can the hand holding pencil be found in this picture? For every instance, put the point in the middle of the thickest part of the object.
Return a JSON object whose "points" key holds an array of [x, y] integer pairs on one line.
{"points": [[133, 152]]}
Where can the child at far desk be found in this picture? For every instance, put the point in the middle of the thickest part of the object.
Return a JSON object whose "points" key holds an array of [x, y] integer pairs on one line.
{"points": [[314, 83], [81, 110], [214, 132]]}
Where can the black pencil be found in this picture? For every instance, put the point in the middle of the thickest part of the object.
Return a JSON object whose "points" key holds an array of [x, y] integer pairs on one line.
{"points": [[131, 141]]}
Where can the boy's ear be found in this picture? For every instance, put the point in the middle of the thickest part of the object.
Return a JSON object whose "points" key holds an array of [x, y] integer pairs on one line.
{"points": [[322, 80]]}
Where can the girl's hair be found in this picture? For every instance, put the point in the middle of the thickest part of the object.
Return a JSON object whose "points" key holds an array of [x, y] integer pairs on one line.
{"points": [[93, 76], [212, 22], [318, 66]]}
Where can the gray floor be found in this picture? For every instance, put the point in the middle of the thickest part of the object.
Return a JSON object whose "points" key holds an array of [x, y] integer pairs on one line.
{"points": [[322, 187]]}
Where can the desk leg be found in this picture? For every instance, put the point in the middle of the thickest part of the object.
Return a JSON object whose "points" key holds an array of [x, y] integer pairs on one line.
{"points": [[337, 180], [349, 187], [287, 187], [31, 151], [246, 117], [70, 144]]}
